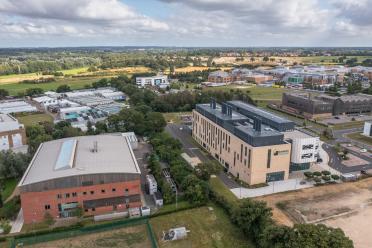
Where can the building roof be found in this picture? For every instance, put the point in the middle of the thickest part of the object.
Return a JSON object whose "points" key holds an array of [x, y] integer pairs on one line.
{"points": [[259, 112], [8, 123], [7, 107], [296, 134], [76, 156], [219, 74]]}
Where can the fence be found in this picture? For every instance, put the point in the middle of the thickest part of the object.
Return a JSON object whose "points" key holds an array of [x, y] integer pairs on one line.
{"points": [[57, 235]]}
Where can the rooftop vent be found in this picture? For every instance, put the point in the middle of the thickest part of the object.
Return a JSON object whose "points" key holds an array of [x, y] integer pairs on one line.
{"points": [[224, 108], [257, 123], [95, 147]]}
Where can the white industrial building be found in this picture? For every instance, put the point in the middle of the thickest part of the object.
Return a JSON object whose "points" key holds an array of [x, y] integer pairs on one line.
{"points": [[16, 106], [304, 149], [12, 133], [160, 81], [151, 184], [367, 131], [46, 101]]}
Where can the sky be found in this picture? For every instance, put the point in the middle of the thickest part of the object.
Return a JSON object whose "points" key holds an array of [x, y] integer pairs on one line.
{"points": [[208, 23]]}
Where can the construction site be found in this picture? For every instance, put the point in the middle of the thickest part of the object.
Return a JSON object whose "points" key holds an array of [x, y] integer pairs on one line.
{"points": [[347, 206]]}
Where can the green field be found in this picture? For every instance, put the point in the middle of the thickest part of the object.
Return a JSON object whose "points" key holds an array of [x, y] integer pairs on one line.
{"points": [[209, 227], [26, 75], [175, 117], [361, 138], [219, 187], [348, 125], [33, 119], [74, 83], [74, 71]]}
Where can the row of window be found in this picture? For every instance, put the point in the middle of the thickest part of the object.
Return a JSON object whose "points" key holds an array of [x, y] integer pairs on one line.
{"points": [[74, 194]]}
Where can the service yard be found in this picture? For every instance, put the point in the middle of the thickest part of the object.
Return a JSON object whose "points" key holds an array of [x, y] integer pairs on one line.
{"points": [[131, 237], [347, 206]]}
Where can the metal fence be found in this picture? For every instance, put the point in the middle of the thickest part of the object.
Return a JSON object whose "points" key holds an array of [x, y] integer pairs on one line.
{"points": [[53, 236]]}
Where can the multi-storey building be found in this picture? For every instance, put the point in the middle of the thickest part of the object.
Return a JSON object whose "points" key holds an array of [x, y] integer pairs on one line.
{"points": [[12, 133], [94, 174], [249, 150], [220, 77], [160, 81]]}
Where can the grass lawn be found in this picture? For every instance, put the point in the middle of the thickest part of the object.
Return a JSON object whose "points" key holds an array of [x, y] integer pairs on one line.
{"points": [[218, 186], [10, 185], [361, 138], [175, 117], [74, 83], [348, 125], [74, 71], [208, 228], [33, 119]]}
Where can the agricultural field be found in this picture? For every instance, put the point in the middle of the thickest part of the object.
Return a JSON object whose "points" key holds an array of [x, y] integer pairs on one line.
{"points": [[351, 208], [74, 83], [209, 227], [131, 237], [33, 119]]}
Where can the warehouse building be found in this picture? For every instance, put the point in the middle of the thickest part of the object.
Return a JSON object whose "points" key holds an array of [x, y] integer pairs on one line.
{"points": [[252, 152], [16, 106], [94, 174], [160, 81], [12, 133], [315, 106]]}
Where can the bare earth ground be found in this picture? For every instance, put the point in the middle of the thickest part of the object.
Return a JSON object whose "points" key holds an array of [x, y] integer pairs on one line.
{"points": [[131, 237], [347, 206]]}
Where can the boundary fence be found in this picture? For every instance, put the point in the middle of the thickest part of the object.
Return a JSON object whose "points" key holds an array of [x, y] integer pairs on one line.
{"points": [[53, 236]]}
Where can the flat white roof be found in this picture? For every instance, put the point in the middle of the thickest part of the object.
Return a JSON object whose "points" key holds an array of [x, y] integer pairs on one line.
{"points": [[296, 134], [114, 155]]}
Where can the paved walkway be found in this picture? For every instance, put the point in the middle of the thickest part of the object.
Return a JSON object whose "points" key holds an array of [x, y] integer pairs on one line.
{"points": [[18, 223], [325, 164], [274, 187]]}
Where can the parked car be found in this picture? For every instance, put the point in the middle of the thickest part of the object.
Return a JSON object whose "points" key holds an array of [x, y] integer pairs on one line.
{"points": [[349, 145], [363, 150]]}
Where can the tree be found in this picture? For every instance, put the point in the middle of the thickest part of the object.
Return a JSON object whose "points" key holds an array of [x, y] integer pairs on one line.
{"points": [[252, 59], [266, 58], [252, 217], [154, 122], [34, 91], [63, 88], [205, 170], [3, 93], [48, 219]]}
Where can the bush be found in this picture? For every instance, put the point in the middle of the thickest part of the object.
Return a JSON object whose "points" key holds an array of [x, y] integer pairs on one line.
{"points": [[317, 180], [308, 174], [317, 174], [4, 224], [326, 178], [335, 177], [48, 219], [326, 173]]}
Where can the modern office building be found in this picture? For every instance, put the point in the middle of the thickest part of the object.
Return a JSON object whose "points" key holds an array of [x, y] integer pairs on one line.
{"points": [[94, 174], [315, 106], [304, 150], [160, 81], [12, 133], [249, 150]]}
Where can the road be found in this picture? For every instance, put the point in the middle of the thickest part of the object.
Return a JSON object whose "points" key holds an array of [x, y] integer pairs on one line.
{"points": [[336, 163], [191, 148]]}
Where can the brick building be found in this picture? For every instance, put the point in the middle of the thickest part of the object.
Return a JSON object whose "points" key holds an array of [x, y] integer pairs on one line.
{"points": [[220, 77], [95, 174], [12, 133]]}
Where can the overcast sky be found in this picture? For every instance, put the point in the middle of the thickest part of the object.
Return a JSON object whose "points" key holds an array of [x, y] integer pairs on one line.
{"points": [[185, 23]]}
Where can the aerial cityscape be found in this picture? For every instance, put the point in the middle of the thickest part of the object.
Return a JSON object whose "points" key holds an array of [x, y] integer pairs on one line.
{"points": [[196, 123]]}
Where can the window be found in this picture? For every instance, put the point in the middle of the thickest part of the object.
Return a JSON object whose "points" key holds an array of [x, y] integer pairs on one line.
{"points": [[307, 147], [103, 191], [84, 193], [93, 209], [113, 190], [268, 158], [92, 192], [59, 196], [47, 207], [126, 190], [86, 210], [74, 194], [67, 195]]}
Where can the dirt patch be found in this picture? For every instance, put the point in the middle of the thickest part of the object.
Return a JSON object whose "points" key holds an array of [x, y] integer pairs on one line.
{"points": [[347, 206], [132, 237]]}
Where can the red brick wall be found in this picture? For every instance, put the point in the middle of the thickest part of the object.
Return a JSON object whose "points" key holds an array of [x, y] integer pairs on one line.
{"points": [[33, 203]]}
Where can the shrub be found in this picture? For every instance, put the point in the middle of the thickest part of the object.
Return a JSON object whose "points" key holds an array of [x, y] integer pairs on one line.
{"points": [[317, 180], [317, 174], [308, 174], [326, 178], [48, 219], [335, 177], [326, 173], [4, 224]]}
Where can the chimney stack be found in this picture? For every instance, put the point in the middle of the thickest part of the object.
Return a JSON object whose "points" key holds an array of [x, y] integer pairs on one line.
{"points": [[224, 108], [257, 124], [229, 111]]}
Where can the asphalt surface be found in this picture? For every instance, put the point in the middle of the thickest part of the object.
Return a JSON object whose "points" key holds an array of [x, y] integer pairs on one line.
{"points": [[191, 148], [336, 163]]}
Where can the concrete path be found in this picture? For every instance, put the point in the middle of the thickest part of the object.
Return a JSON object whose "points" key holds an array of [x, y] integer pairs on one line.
{"points": [[18, 223], [274, 187]]}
